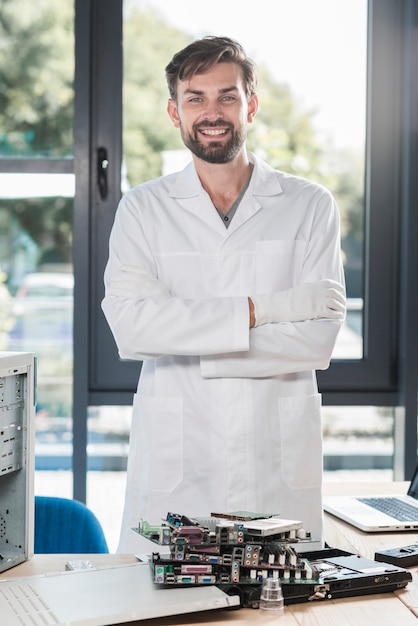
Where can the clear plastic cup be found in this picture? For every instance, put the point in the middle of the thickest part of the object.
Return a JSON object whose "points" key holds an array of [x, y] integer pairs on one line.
{"points": [[271, 597]]}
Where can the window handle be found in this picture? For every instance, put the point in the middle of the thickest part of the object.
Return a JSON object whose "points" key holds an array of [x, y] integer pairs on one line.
{"points": [[102, 167]]}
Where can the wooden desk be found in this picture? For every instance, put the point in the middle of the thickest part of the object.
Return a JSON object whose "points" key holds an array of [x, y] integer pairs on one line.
{"points": [[386, 609]]}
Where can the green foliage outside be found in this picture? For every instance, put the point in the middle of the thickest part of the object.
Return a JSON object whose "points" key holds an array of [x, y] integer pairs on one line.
{"points": [[149, 44], [36, 78]]}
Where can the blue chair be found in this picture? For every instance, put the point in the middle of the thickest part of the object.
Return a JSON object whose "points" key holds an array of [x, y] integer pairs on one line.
{"points": [[64, 526]]}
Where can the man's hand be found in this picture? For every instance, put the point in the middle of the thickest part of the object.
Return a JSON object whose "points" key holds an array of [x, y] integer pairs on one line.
{"points": [[252, 312], [321, 299]]}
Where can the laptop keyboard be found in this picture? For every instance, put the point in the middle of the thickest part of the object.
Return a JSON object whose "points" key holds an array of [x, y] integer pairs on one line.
{"points": [[27, 606], [396, 508]]}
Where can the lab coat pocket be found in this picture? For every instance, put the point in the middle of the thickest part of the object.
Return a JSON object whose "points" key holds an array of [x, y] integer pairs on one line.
{"points": [[301, 441], [279, 264], [160, 442]]}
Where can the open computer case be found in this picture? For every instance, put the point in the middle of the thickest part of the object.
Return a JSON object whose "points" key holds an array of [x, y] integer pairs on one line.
{"points": [[17, 413]]}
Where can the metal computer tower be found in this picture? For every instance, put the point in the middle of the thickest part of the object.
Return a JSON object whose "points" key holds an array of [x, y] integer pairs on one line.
{"points": [[17, 413]]}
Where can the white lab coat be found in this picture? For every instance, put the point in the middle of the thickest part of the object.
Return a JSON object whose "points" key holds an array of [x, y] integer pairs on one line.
{"points": [[224, 418]]}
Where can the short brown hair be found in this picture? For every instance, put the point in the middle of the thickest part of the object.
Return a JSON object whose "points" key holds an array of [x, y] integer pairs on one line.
{"points": [[201, 55]]}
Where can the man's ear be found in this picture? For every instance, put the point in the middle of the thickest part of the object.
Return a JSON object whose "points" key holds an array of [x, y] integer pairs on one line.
{"points": [[173, 112], [252, 108]]}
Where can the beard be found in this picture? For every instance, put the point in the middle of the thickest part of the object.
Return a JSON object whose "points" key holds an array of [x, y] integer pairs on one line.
{"points": [[215, 151]]}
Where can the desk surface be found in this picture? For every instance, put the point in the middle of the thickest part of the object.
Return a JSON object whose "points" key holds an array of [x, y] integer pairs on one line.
{"points": [[400, 607]]}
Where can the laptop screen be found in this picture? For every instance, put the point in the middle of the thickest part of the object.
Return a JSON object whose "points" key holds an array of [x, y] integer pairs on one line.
{"points": [[413, 487]]}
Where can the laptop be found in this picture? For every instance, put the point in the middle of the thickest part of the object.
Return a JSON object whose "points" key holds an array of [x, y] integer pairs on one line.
{"points": [[378, 513], [100, 597]]}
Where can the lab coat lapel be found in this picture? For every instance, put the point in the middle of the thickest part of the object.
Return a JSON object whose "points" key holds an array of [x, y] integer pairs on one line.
{"points": [[264, 183], [188, 191]]}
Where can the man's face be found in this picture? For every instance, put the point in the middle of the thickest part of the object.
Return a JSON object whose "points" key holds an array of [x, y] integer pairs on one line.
{"points": [[212, 113]]}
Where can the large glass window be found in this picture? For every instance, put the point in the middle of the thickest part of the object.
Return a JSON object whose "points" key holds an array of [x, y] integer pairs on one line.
{"points": [[36, 208], [36, 74]]}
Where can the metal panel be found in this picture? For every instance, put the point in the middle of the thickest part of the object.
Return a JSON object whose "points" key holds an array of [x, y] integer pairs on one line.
{"points": [[81, 245], [408, 293], [107, 372], [17, 411]]}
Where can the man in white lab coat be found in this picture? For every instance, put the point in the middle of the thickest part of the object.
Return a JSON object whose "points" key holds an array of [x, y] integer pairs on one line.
{"points": [[226, 280]]}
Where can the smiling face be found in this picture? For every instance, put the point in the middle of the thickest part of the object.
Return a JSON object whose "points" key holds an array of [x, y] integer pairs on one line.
{"points": [[213, 112]]}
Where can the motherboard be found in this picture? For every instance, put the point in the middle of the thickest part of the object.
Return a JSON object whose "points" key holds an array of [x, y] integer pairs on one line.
{"points": [[238, 551]]}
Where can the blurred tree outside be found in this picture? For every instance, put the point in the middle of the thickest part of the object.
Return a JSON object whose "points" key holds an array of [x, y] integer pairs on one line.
{"points": [[36, 78], [148, 44]]}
